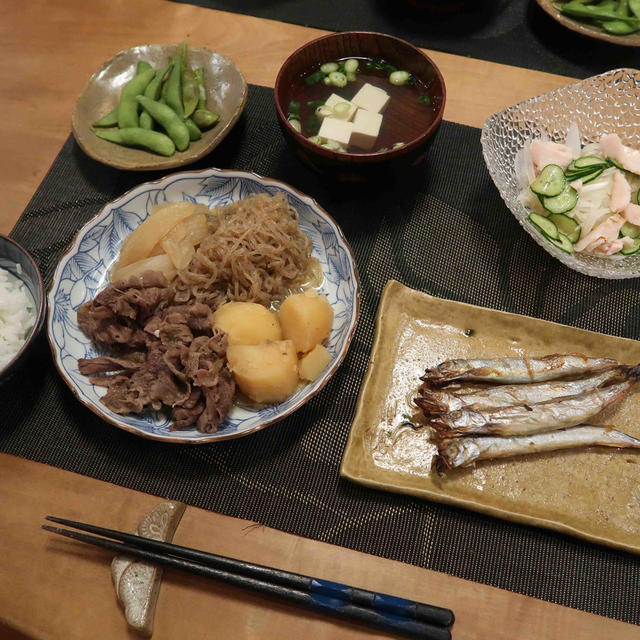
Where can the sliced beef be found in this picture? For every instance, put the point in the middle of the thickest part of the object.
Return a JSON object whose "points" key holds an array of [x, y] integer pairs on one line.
{"points": [[183, 365], [118, 313]]}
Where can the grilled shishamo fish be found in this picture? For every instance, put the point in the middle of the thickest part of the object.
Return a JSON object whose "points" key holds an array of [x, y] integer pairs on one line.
{"points": [[517, 370], [462, 452], [496, 397], [511, 421]]}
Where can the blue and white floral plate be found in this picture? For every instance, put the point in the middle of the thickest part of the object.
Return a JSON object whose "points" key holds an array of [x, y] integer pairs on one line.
{"points": [[83, 271]]}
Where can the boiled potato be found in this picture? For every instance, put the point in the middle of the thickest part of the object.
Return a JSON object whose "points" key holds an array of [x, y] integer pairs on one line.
{"points": [[265, 372], [156, 263], [311, 365], [140, 243], [247, 323], [306, 319]]}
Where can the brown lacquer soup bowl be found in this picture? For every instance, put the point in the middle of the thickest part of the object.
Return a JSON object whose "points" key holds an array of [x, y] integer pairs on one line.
{"points": [[407, 118]]}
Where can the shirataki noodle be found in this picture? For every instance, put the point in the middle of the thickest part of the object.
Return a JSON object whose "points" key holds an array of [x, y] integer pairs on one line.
{"points": [[255, 252]]}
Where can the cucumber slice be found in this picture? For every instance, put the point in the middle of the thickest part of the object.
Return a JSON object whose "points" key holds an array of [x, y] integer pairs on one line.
{"points": [[550, 182], [627, 251], [638, 197], [588, 161], [562, 243], [630, 230], [568, 226], [613, 163], [546, 226], [565, 201]]}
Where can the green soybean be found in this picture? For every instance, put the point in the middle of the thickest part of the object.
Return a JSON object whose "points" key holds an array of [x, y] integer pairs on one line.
{"points": [[145, 121], [173, 96], [137, 137], [142, 66], [110, 120], [204, 118], [128, 108], [194, 130], [167, 118], [202, 90], [190, 91]]}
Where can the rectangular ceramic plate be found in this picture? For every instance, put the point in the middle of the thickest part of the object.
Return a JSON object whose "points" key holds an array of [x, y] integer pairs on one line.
{"points": [[592, 493]]}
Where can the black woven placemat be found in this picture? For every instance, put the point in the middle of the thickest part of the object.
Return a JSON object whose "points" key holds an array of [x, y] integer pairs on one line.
{"points": [[515, 32], [442, 229]]}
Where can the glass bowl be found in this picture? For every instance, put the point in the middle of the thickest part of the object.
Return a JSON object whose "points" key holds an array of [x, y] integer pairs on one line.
{"points": [[607, 103]]}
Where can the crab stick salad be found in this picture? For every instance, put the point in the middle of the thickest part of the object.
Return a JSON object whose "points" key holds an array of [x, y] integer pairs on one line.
{"points": [[582, 198]]}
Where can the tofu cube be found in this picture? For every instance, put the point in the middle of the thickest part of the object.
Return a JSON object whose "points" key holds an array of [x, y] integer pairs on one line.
{"points": [[335, 99], [366, 127], [371, 98], [338, 130]]}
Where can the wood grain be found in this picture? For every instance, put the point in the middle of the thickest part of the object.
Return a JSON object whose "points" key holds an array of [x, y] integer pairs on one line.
{"points": [[55, 47], [51, 589], [47, 584]]}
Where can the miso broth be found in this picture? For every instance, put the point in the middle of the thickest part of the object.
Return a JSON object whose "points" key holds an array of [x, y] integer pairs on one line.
{"points": [[410, 110]]}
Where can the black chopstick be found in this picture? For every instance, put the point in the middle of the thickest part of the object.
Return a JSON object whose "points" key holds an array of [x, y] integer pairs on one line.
{"points": [[321, 602], [362, 597]]}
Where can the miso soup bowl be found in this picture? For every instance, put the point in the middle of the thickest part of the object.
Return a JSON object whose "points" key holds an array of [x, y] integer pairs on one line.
{"points": [[357, 44]]}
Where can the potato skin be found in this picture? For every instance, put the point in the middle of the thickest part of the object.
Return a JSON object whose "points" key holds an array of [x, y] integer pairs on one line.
{"points": [[306, 319], [247, 323], [311, 365], [265, 372]]}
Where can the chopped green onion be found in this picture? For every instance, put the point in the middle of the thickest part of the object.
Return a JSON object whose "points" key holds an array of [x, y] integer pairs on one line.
{"points": [[424, 99], [312, 124], [341, 110], [314, 78], [397, 145], [382, 150], [327, 80], [315, 139], [337, 79], [329, 67], [323, 111], [294, 108], [351, 77], [399, 78], [296, 124], [351, 65], [314, 104]]}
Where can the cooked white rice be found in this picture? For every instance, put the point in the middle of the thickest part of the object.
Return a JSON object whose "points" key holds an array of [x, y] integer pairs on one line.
{"points": [[17, 315]]}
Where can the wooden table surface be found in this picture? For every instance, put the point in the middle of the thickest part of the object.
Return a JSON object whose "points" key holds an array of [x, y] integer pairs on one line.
{"points": [[53, 589]]}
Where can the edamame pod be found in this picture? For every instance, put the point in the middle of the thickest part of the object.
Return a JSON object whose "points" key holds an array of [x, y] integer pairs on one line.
{"points": [[128, 108], [142, 66], [189, 91], [174, 84], [154, 88], [204, 118], [137, 137], [153, 91], [168, 119], [202, 91], [110, 120], [194, 130]]}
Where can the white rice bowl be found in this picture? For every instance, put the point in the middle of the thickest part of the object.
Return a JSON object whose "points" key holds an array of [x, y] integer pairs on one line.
{"points": [[17, 315]]}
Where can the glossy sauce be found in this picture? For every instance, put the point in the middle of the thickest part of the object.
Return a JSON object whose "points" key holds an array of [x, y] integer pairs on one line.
{"points": [[404, 119]]}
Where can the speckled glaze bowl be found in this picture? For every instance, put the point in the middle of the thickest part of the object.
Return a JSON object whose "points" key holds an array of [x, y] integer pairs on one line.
{"points": [[586, 29], [227, 94], [607, 103], [17, 261], [358, 44]]}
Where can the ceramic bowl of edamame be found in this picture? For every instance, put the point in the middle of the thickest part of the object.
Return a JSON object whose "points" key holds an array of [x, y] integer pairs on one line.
{"points": [[192, 98]]}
